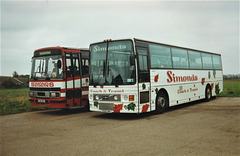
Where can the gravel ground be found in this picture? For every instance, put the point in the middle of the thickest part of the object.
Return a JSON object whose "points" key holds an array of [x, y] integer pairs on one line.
{"points": [[199, 128]]}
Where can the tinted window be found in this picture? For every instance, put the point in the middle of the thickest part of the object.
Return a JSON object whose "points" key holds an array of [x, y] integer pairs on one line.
{"points": [[217, 62], [180, 58], [160, 56], [195, 60], [207, 61]]}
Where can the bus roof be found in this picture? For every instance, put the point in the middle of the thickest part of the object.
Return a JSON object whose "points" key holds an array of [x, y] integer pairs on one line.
{"points": [[61, 48]]}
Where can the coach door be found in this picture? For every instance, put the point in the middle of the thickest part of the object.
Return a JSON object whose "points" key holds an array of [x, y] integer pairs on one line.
{"points": [[143, 78], [73, 81]]}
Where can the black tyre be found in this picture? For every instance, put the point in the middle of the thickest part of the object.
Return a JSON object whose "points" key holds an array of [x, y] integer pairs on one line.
{"points": [[87, 107], [161, 102], [208, 93]]}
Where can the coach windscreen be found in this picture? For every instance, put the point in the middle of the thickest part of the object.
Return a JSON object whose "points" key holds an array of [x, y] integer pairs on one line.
{"points": [[112, 63]]}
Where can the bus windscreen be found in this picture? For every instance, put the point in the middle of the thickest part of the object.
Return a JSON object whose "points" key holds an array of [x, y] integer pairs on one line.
{"points": [[111, 63], [46, 67]]}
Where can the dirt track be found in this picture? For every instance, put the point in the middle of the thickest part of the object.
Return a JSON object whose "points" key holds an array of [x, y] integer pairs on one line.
{"points": [[199, 128]]}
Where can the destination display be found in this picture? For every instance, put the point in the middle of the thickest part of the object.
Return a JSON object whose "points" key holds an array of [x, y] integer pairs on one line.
{"points": [[47, 52], [117, 46]]}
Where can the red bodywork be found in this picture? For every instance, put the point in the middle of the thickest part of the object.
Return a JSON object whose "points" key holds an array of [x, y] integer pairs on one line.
{"points": [[68, 94]]}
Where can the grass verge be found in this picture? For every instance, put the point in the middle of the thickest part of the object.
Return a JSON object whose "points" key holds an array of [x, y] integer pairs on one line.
{"points": [[15, 101], [231, 88]]}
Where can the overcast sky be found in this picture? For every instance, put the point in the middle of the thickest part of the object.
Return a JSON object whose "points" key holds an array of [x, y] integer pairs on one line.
{"points": [[29, 25]]}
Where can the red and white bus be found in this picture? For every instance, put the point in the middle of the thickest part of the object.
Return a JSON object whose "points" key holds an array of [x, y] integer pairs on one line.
{"points": [[59, 77], [135, 76]]}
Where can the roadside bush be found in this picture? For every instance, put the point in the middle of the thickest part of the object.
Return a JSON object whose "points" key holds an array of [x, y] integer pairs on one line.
{"points": [[10, 84]]}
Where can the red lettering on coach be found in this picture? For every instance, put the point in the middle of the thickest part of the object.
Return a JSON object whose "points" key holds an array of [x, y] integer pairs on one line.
{"points": [[174, 78]]}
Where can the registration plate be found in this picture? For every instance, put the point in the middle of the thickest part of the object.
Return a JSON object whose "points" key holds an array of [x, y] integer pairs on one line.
{"points": [[41, 101], [107, 111]]}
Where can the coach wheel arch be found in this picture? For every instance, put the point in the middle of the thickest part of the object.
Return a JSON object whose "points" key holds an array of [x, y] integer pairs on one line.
{"points": [[162, 101], [208, 93]]}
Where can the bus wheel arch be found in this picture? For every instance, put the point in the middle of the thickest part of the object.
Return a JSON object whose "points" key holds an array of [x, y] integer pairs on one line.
{"points": [[208, 93], [162, 101]]}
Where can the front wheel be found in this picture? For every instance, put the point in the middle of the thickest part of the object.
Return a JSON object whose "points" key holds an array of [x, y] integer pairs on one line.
{"points": [[161, 102]]}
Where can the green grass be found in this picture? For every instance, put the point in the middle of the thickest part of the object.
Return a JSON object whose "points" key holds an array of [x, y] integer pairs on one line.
{"points": [[15, 101], [231, 88]]}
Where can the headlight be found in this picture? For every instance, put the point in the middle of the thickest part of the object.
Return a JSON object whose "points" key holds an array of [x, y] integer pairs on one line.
{"points": [[115, 98], [55, 94], [125, 97], [97, 97], [31, 94]]}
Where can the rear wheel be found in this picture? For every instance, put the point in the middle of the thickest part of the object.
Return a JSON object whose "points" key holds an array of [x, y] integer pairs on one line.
{"points": [[208, 93], [161, 102]]}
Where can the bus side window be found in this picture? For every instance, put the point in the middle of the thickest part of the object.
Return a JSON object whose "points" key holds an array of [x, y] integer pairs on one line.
{"points": [[217, 63], [160, 56], [195, 60], [180, 58], [85, 67], [207, 61]]}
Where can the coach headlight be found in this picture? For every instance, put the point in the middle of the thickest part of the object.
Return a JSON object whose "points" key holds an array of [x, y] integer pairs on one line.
{"points": [[125, 97], [115, 98], [97, 97]]}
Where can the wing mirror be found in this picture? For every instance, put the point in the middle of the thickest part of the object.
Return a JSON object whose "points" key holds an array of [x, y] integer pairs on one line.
{"points": [[132, 60]]}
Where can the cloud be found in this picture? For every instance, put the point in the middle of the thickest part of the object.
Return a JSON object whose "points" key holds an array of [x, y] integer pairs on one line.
{"points": [[26, 26]]}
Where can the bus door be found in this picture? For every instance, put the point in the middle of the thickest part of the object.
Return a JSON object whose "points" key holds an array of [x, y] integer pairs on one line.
{"points": [[73, 79], [144, 86], [84, 77]]}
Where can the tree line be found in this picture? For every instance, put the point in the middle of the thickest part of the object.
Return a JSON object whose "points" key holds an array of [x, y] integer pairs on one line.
{"points": [[231, 76]]}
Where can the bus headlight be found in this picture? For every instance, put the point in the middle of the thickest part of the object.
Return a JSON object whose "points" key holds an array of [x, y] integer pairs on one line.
{"points": [[125, 97], [97, 97], [55, 94], [115, 98], [31, 94], [128, 97]]}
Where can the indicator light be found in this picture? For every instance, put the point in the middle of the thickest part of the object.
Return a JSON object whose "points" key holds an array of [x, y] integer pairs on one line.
{"points": [[131, 97]]}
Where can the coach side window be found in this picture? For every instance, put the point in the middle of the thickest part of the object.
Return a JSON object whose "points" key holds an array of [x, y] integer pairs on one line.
{"points": [[195, 60], [180, 58], [217, 62], [160, 56], [207, 61]]}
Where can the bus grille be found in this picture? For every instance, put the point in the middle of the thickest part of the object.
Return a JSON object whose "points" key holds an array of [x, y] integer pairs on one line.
{"points": [[106, 106]]}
